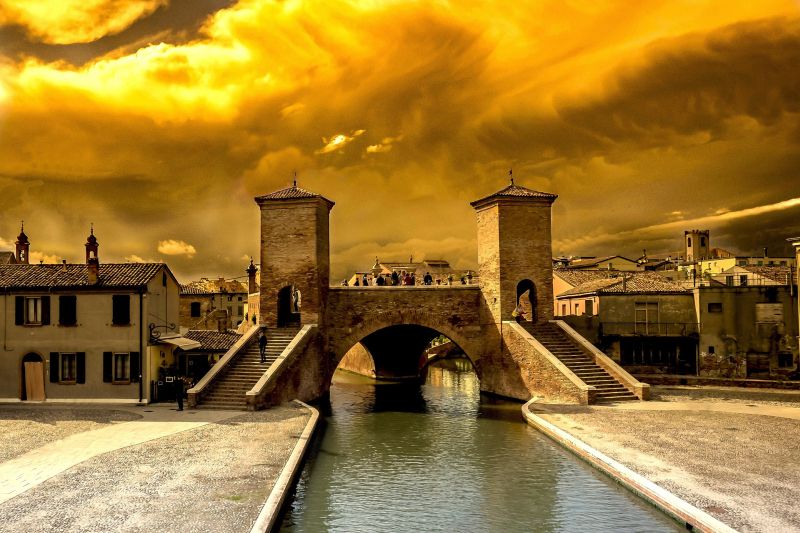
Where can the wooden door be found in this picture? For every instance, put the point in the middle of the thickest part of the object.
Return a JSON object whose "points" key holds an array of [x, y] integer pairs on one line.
{"points": [[34, 381]]}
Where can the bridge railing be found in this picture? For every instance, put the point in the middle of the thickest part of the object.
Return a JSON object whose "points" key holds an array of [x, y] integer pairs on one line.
{"points": [[256, 397], [196, 393], [641, 390]]}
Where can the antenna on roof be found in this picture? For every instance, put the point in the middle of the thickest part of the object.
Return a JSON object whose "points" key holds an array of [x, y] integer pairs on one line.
{"points": [[294, 183], [91, 228], [511, 175], [21, 226]]}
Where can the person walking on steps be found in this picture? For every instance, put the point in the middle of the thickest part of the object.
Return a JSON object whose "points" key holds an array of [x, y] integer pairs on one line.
{"points": [[178, 386], [262, 346]]}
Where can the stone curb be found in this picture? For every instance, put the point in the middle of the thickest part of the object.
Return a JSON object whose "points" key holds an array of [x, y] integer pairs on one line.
{"points": [[277, 496], [669, 503]]}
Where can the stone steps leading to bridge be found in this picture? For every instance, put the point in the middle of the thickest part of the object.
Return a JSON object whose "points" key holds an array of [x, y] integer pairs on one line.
{"points": [[229, 389], [556, 340]]}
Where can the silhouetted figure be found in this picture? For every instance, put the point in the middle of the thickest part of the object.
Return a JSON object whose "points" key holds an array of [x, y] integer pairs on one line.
{"points": [[395, 279], [364, 280], [379, 281], [427, 279], [178, 387], [262, 346]]}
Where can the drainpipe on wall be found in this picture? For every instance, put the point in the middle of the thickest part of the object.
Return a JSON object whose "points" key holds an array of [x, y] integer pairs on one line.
{"points": [[141, 341]]}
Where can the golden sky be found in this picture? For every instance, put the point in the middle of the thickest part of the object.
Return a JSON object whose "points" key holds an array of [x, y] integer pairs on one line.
{"points": [[159, 120]]}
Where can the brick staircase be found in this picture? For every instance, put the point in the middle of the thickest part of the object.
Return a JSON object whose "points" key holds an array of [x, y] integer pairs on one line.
{"points": [[229, 388], [609, 390]]}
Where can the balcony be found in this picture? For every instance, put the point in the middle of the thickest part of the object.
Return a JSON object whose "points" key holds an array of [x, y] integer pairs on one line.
{"points": [[649, 329]]}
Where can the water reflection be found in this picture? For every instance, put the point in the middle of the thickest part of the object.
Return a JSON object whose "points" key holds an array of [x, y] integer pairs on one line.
{"points": [[438, 457]]}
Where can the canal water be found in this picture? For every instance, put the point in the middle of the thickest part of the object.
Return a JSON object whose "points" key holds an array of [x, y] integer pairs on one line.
{"points": [[439, 456]]}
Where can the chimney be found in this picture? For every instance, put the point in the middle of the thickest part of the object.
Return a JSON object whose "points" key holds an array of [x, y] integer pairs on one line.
{"points": [[63, 265], [765, 252], [93, 269]]}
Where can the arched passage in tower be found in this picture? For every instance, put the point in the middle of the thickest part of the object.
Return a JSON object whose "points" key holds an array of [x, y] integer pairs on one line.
{"points": [[526, 299]]}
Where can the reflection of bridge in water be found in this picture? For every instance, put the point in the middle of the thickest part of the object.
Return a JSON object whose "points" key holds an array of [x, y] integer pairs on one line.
{"points": [[394, 325]]}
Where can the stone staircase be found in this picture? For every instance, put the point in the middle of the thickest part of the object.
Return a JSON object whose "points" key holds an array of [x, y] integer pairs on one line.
{"points": [[555, 339], [228, 390]]}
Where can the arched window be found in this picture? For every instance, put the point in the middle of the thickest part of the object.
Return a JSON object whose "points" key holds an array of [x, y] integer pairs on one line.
{"points": [[195, 306]]}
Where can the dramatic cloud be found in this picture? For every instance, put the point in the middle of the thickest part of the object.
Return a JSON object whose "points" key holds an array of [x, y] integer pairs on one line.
{"points": [[173, 247], [645, 118], [74, 21]]}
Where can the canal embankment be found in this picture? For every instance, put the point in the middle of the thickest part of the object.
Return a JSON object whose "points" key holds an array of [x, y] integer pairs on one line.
{"points": [[731, 453]]}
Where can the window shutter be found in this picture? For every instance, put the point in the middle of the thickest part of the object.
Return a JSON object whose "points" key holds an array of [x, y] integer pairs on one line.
{"points": [[80, 363], [54, 364], [45, 310], [135, 366], [20, 310], [107, 367]]}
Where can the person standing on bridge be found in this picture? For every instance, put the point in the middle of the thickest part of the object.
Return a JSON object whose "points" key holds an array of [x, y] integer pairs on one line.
{"points": [[364, 281], [262, 346], [395, 278], [428, 279]]}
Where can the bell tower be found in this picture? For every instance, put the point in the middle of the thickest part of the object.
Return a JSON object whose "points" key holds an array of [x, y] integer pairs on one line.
{"points": [[295, 257], [22, 246], [91, 247]]}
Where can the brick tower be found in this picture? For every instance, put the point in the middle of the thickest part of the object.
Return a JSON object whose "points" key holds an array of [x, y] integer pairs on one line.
{"points": [[295, 257], [514, 251]]}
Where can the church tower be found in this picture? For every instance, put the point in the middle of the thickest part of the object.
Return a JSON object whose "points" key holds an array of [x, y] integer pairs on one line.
{"points": [[295, 257], [91, 247], [515, 258], [23, 246]]}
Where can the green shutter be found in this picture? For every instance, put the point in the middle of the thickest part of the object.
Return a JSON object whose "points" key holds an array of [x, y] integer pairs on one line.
{"points": [[45, 310], [107, 362], [135, 366], [20, 310], [54, 364], [80, 363]]}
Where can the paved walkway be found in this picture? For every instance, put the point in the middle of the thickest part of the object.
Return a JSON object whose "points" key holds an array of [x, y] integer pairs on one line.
{"points": [[36, 466]]}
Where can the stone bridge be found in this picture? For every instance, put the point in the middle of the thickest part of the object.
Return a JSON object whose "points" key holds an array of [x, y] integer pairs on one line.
{"points": [[393, 325]]}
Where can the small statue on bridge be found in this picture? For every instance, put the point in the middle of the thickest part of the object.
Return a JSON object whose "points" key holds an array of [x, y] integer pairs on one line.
{"points": [[296, 300]]}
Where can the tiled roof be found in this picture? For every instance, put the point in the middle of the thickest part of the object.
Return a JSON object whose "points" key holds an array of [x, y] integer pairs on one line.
{"points": [[576, 277], [583, 263], [291, 193], [213, 340], [213, 286], [7, 258], [633, 283], [775, 273], [515, 191], [76, 276]]}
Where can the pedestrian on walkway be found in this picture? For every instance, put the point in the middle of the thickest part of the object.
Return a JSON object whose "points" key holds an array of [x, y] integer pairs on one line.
{"points": [[262, 346], [178, 387]]}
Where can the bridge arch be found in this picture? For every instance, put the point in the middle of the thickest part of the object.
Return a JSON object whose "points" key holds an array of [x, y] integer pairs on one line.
{"points": [[469, 342]]}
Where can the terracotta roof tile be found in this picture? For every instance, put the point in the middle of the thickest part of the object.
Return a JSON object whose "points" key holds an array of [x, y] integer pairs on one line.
{"points": [[576, 277], [213, 340], [7, 258], [634, 282], [515, 191], [291, 193], [213, 286], [76, 276]]}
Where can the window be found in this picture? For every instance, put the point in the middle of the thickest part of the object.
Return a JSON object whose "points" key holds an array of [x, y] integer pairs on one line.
{"points": [[195, 308], [67, 310], [32, 310], [240, 298], [743, 263], [563, 309], [729, 281], [121, 310], [230, 298], [689, 242], [783, 263], [785, 359], [240, 310], [711, 349], [589, 306], [120, 367], [68, 368], [743, 280], [761, 263], [646, 317], [715, 307], [702, 241], [576, 309]]}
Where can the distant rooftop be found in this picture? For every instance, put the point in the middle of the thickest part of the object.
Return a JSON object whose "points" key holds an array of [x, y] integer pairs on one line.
{"points": [[215, 341], [632, 283]]}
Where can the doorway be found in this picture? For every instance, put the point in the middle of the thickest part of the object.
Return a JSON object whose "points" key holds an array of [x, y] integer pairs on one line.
{"points": [[288, 306], [32, 378], [526, 299]]}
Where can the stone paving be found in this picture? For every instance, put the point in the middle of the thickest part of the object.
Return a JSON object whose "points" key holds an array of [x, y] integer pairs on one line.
{"points": [[730, 452], [201, 469]]}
